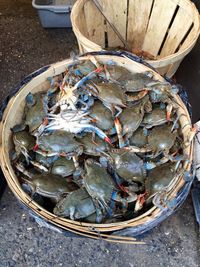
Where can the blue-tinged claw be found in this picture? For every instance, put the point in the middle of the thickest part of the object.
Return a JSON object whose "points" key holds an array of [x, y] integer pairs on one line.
{"points": [[87, 77], [30, 99], [188, 176], [78, 72], [112, 205], [162, 106], [149, 165], [117, 179], [90, 101], [103, 161], [99, 132], [111, 62], [51, 80], [174, 89], [145, 131]]}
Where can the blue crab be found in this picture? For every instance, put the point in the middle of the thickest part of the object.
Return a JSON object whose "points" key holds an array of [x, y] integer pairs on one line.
{"points": [[76, 205], [101, 187], [46, 185]]}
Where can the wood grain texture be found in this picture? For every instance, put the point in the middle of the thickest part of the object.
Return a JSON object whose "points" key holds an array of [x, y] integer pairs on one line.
{"points": [[160, 19], [177, 32], [138, 19], [94, 23], [116, 11]]}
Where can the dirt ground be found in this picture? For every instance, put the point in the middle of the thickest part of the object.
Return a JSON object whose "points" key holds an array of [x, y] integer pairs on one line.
{"points": [[24, 47]]}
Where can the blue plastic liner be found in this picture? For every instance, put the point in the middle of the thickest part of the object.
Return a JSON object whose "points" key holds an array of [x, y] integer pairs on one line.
{"points": [[131, 231]]}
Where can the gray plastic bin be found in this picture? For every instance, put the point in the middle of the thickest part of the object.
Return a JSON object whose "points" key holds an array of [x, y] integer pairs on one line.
{"points": [[54, 13]]}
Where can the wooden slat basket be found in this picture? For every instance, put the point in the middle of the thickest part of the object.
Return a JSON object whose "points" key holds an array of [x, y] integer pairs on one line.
{"points": [[167, 29], [13, 115]]}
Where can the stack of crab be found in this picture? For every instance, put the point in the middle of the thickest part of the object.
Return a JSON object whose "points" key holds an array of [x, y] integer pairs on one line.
{"points": [[100, 144]]}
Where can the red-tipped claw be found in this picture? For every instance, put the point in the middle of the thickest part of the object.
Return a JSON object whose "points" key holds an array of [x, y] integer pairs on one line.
{"points": [[168, 115], [194, 129], [63, 154], [123, 188], [94, 120], [98, 70], [36, 147], [108, 140], [169, 111], [45, 121], [141, 198], [117, 121]]}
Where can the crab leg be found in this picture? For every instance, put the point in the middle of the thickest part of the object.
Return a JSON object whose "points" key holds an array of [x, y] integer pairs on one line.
{"points": [[137, 149], [87, 77], [138, 96], [131, 198], [169, 111], [75, 127], [39, 166], [119, 111], [21, 169], [140, 202], [99, 132], [119, 132]]}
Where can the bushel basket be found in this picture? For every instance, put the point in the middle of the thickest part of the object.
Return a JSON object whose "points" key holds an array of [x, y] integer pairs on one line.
{"points": [[12, 115], [168, 30]]}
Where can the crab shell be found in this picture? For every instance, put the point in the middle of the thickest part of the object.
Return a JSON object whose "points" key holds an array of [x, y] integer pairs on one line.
{"points": [[35, 114], [59, 142], [49, 185], [138, 138], [159, 178], [161, 138], [128, 166], [95, 147], [118, 73], [160, 91], [138, 82], [154, 118], [102, 115], [23, 139], [111, 93], [98, 182], [131, 118], [63, 167], [76, 205]]}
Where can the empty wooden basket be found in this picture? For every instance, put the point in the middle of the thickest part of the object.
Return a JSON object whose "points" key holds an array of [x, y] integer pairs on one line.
{"points": [[167, 29]]}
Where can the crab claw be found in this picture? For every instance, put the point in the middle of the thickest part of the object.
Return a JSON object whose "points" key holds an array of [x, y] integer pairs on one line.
{"points": [[169, 111], [45, 121], [36, 147], [140, 202], [108, 140], [119, 131], [192, 133], [98, 70]]}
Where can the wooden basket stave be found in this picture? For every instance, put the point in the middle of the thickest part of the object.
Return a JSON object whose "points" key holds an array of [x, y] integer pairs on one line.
{"points": [[12, 116], [166, 29]]}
